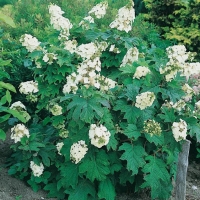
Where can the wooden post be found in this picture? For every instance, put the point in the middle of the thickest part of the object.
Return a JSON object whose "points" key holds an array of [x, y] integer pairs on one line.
{"points": [[180, 187]]}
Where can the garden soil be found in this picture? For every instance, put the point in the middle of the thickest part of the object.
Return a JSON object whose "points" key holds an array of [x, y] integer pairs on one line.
{"points": [[14, 189]]}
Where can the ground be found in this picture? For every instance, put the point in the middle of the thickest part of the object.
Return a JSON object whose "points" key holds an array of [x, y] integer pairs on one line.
{"points": [[14, 189]]}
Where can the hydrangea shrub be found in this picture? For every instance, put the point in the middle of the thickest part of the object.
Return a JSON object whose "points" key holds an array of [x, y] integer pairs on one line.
{"points": [[109, 110]]}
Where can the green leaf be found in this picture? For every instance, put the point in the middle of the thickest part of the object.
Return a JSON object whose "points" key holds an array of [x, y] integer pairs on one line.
{"points": [[8, 20], [92, 35], [156, 139], [85, 109], [131, 112], [132, 91], [16, 114], [82, 191], [8, 97], [193, 127], [131, 131], [156, 176], [112, 141], [45, 157], [4, 118], [126, 176], [34, 185], [35, 146], [53, 192], [168, 115], [128, 69], [7, 86], [2, 135], [4, 62], [69, 173], [134, 156], [115, 162], [96, 166], [2, 102], [106, 190]]}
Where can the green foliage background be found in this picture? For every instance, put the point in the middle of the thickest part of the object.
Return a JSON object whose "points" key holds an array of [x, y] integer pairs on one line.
{"points": [[132, 158], [177, 20]]}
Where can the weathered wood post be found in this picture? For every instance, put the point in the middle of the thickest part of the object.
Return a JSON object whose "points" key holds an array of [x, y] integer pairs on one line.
{"points": [[180, 187]]}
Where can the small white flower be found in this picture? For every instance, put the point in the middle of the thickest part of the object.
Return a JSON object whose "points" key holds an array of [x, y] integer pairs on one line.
{"points": [[18, 132], [87, 50], [78, 151], [99, 10], [114, 49], [144, 100], [59, 22], [37, 169], [141, 71], [189, 92], [70, 45], [197, 104], [18, 106], [124, 19], [131, 56], [99, 135], [59, 146], [28, 87], [86, 21], [179, 130], [49, 57], [31, 43], [55, 110]]}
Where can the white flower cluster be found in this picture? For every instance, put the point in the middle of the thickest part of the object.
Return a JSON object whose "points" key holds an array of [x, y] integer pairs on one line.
{"points": [[177, 63], [177, 53], [105, 83], [49, 57], [179, 130], [31, 43], [59, 22], [88, 71], [86, 51], [189, 92], [114, 49], [28, 87], [18, 132], [88, 75], [37, 169], [124, 19], [70, 45], [78, 151], [141, 71], [152, 127], [131, 56], [63, 133], [18, 105], [55, 109], [170, 70], [99, 135], [71, 85], [179, 105], [86, 21], [99, 10], [144, 100], [191, 69], [59, 146]]}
